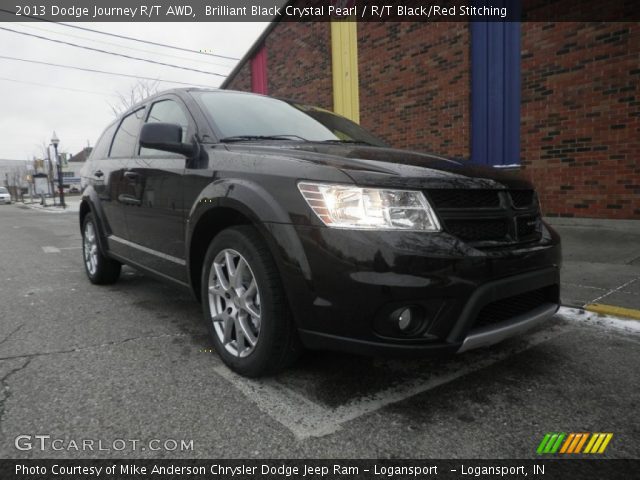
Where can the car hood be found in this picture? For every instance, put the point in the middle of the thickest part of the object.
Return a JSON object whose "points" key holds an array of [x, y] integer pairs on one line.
{"points": [[388, 167]]}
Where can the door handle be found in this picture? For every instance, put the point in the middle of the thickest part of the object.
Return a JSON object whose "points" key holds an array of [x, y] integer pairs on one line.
{"points": [[129, 200], [131, 175], [98, 173]]}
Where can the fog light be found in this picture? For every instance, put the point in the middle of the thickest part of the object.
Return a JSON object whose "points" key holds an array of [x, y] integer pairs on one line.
{"points": [[404, 320], [408, 320]]}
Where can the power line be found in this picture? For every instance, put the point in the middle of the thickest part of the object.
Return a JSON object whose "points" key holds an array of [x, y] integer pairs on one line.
{"points": [[174, 47], [24, 25], [99, 71], [113, 53], [149, 42], [55, 86]]}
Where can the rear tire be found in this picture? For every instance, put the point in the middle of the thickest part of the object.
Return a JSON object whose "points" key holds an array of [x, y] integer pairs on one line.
{"points": [[245, 306], [100, 269]]}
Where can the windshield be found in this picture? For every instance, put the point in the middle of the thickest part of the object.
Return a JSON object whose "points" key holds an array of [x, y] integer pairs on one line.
{"points": [[239, 116], [3, 190]]}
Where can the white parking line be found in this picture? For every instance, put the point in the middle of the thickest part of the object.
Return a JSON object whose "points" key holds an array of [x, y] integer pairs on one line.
{"points": [[614, 290], [50, 249], [305, 418], [302, 416]]}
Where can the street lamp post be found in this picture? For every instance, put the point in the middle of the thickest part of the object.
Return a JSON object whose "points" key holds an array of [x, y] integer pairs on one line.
{"points": [[55, 141], [50, 186]]}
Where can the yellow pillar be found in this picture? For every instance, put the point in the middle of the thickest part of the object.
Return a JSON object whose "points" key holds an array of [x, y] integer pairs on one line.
{"points": [[344, 62]]}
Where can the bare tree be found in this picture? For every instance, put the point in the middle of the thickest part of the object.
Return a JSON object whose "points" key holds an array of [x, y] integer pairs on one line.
{"points": [[16, 181], [138, 91]]}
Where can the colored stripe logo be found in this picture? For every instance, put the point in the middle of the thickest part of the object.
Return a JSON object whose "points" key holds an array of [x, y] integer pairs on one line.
{"points": [[572, 443]]}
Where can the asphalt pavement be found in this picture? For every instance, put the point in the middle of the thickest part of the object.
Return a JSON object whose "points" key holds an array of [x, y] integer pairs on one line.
{"points": [[132, 362]]}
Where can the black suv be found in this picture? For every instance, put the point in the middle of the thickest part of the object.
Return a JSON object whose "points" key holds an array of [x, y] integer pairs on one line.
{"points": [[296, 228]]}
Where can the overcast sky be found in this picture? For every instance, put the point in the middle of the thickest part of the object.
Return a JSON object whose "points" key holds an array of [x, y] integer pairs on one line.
{"points": [[76, 104]]}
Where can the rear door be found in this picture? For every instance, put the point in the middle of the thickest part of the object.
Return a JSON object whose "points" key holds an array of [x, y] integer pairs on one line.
{"points": [[105, 172], [156, 215]]}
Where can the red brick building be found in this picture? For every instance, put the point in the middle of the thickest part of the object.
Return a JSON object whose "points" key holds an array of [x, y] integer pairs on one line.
{"points": [[561, 100]]}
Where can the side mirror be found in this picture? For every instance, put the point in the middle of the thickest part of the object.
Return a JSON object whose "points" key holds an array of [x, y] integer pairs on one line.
{"points": [[166, 137]]}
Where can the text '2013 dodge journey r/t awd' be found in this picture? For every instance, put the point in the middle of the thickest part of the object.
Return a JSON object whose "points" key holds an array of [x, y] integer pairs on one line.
{"points": [[297, 228]]}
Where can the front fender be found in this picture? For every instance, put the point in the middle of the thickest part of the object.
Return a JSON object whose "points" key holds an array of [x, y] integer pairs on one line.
{"points": [[253, 200], [271, 220], [257, 204]]}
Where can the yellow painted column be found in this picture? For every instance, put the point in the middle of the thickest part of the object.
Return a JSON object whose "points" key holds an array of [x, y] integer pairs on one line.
{"points": [[344, 63]]}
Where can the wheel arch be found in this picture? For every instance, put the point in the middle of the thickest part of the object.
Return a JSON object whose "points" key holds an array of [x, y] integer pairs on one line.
{"points": [[210, 224], [87, 206], [241, 205]]}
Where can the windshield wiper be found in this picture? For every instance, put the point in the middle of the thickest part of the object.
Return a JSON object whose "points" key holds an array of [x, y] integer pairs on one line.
{"points": [[244, 138], [361, 142]]}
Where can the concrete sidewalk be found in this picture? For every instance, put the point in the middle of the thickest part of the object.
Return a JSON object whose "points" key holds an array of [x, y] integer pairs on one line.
{"points": [[72, 204], [601, 264]]}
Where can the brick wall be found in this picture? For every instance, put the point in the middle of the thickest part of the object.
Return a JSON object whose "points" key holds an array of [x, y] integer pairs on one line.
{"points": [[580, 114], [298, 64], [580, 117], [242, 79], [414, 85]]}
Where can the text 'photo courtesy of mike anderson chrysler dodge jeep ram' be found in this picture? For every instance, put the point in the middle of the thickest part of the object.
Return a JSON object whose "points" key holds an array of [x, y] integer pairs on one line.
{"points": [[296, 228]]}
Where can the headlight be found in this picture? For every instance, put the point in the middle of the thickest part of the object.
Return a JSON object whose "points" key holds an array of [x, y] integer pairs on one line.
{"points": [[344, 206]]}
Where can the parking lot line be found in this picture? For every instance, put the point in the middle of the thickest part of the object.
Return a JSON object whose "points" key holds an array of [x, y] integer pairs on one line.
{"points": [[50, 249], [614, 290], [305, 418], [300, 415]]}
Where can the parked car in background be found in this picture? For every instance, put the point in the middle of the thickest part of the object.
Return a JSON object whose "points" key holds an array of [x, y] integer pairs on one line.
{"points": [[5, 196], [296, 228]]}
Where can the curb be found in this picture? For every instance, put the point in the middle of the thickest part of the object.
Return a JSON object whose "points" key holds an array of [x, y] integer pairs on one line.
{"points": [[48, 209], [613, 310]]}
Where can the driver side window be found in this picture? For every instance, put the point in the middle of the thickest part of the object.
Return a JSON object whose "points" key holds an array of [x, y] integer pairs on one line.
{"points": [[166, 111]]}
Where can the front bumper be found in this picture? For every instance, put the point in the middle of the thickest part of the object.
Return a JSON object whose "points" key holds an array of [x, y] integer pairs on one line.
{"points": [[342, 285], [489, 335]]}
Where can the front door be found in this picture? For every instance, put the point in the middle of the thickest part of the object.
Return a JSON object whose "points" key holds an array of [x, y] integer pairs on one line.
{"points": [[156, 213]]}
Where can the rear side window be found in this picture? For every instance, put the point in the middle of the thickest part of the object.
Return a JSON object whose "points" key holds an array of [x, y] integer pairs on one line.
{"points": [[125, 139], [166, 111], [101, 149]]}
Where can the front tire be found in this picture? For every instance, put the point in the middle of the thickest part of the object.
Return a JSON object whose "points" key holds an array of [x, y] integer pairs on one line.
{"points": [[100, 269], [244, 305]]}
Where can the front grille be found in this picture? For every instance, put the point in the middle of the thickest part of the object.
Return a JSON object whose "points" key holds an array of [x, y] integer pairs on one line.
{"points": [[478, 230], [522, 198], [488, 218], [509, 307], [459, 198], [528, 227]]}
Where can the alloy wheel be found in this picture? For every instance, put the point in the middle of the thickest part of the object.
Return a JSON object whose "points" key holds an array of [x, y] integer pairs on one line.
{"points": [[90, 244], [234, 303]]}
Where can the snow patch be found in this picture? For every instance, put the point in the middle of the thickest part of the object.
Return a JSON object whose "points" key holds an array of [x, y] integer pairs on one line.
{"points": [[600, 320]]}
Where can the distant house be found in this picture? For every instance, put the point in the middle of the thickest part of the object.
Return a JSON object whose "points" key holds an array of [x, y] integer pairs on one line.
{"points": [[71, 171], [82, 155]]}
